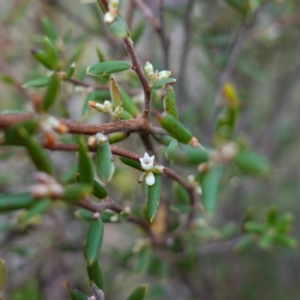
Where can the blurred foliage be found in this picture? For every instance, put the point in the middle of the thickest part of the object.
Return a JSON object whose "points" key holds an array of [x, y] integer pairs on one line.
{"points": [[236, 90]]}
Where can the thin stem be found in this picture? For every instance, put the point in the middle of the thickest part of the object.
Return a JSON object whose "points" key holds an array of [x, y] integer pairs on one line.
{"points": [[135, 125], [136, 66]]}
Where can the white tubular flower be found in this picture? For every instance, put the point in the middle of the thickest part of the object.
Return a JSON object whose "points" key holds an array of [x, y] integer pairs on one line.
{"points": [[149, 69], [147, 162]]}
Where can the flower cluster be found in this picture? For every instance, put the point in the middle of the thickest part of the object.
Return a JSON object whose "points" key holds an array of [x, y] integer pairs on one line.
{"points": [[113, 11], [155, 76], [147, 164]]}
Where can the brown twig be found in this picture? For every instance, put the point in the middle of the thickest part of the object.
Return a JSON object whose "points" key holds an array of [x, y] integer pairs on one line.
{"points": [[136, 66], [135, 125]]}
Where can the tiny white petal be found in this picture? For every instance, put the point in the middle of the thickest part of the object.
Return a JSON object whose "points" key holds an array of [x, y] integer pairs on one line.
{"points": [[150, 179]]}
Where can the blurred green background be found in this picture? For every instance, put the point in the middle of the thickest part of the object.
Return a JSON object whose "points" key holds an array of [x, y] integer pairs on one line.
{"points": [[209, 43]]}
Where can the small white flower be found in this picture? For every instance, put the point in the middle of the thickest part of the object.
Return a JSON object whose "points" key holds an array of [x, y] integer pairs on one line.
{"points": [[150, 179], [147, 162]]}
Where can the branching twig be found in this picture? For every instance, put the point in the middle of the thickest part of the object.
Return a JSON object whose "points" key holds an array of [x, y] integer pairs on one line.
{"points": [[135, 125]]}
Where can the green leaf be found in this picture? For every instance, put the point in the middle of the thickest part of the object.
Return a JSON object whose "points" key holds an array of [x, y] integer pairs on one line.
{"points": [[10, 202], [254, 227], [193, 155], [49, 29], [76, 192], [37, 82], [162, 83], [38, 155], [51, 52], [104, 165], [138, 31], [2, 274], [171, 150], [94, 240], [128, 104], [95, 274], [42, 57], [170, 102], [98, 190], [119, 28], [272, 215], [163, 139], [115, 94], [52, 92], [131, 163], [154, 193], [210, 187], [174, 128], [13, 136], [108, 67], [139, 293], [285, 240], [117, 137], [38, 208], [252, 163], [84, 214], [74, 294], [85, 165]]}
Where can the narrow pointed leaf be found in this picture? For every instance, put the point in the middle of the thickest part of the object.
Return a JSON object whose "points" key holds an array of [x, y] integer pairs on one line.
{"points": [[37, 82], [171, 150], [38, 208], [108, 67], [139, 293], [95, 274], [10, 202], [175, 128], [138, 31], [2, 274], [52, 92], [49, 29], [85, 165], [38, 155], [76, 192], [154, 194], [132, 163], [193, 155], [162, 83], [170, 102], [74, 294], [51, 52], [117, 137], [115, 94], [98, 190], [104, 165], [252, 163], [210, 189], [42, 57], [128, 104], [119, 28], [94, 240]]}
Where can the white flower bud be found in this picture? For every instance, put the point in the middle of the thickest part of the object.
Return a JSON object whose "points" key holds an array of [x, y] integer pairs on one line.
{"points": [[158, 169], [163, 75], [149, 69], [109, 17], [114, 219], [39, 191], [101, 138], [96, 215], [118, 112], [150, 179]]}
